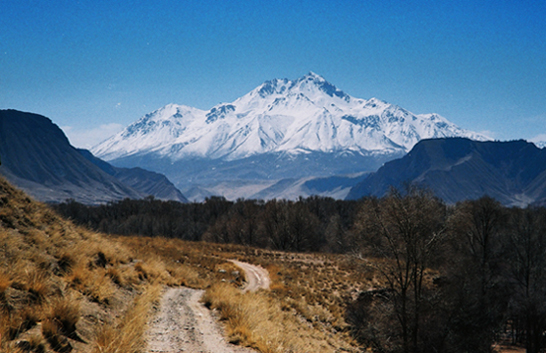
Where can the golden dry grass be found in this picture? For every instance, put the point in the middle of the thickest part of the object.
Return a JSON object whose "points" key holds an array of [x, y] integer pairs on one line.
{"points": [[78, 283], [304, 309], [60, 282], [5, 280], [301, 312], [252, 319], [64, 314], [127, 333]]}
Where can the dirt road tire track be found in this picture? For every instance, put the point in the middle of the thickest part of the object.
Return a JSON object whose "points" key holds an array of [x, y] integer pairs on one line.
{"points": [[183, 324]]}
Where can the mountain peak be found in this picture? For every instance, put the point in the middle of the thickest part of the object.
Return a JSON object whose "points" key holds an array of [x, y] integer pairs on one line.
{"points": [[313, 84], [313, 76], [281, 129], [310, 85]]}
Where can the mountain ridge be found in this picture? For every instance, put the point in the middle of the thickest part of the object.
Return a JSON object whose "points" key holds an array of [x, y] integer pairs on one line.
{"points": [[147, 182], [283, 125]]}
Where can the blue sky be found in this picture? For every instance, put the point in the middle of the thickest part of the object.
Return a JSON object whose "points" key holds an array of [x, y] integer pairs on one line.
{"points": [[94, 66]]}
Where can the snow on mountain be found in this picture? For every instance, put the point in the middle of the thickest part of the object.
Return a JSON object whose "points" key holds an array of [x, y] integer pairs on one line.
{"points": [[539, 141], [272, 141], [280, 116]]}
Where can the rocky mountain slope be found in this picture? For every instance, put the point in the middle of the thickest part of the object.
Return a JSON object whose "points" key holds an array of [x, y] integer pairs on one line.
{"points": [[283, 129], [38, 158], [455, 169]]}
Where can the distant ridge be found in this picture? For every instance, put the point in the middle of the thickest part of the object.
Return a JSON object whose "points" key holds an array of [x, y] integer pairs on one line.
{"points": [[456, 169], [38, 158], [146, 182]]}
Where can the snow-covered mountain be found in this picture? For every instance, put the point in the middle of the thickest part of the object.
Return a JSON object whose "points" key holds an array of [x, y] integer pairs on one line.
{"points": [[308, 114], [301, 128]]}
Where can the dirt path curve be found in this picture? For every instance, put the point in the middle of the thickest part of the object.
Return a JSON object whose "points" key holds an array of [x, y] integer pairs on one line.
{"points": [[183, 324], [257, 277]]}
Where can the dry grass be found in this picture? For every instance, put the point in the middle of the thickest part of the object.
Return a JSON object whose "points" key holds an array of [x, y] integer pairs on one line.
{"points": [[64, 314], [5, 281], [94, 283], [127, 333], [250, 318], [303, 311], [286, 319], [48, 267], [39, 285]]}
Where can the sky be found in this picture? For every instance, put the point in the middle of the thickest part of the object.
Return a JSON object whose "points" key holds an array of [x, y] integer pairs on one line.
{"points": [[96, 66]]}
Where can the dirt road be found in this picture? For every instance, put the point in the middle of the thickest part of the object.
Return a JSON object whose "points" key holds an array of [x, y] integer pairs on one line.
{"points": [[183, 324], [256, 277]]}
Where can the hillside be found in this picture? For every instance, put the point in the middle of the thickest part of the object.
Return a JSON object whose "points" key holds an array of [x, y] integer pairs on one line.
{"points": [[457, 169], [64, 288], [38, 158]]}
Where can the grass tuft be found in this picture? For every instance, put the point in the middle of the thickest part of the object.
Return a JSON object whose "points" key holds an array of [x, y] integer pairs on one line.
{"points": [[65, 314], [38, 285], [54, 337], [116, 276], [60, 323], [127, 334], [66, 262], [5, 282], [35, 344]]}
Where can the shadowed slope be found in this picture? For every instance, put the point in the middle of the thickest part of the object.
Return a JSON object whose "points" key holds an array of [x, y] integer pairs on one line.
{"points": [[456, 169], [146, 182], [37, 157]]}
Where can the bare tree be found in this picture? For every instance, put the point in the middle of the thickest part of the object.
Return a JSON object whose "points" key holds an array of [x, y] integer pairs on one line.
{"points": [[477, 272], [406, 230]]}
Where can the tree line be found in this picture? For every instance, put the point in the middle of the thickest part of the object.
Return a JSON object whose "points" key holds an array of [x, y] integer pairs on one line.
{"points": [[310, 224], [458, 278]]}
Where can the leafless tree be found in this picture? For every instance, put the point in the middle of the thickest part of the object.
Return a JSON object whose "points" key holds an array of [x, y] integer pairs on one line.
{"points": [[406, 229]]}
